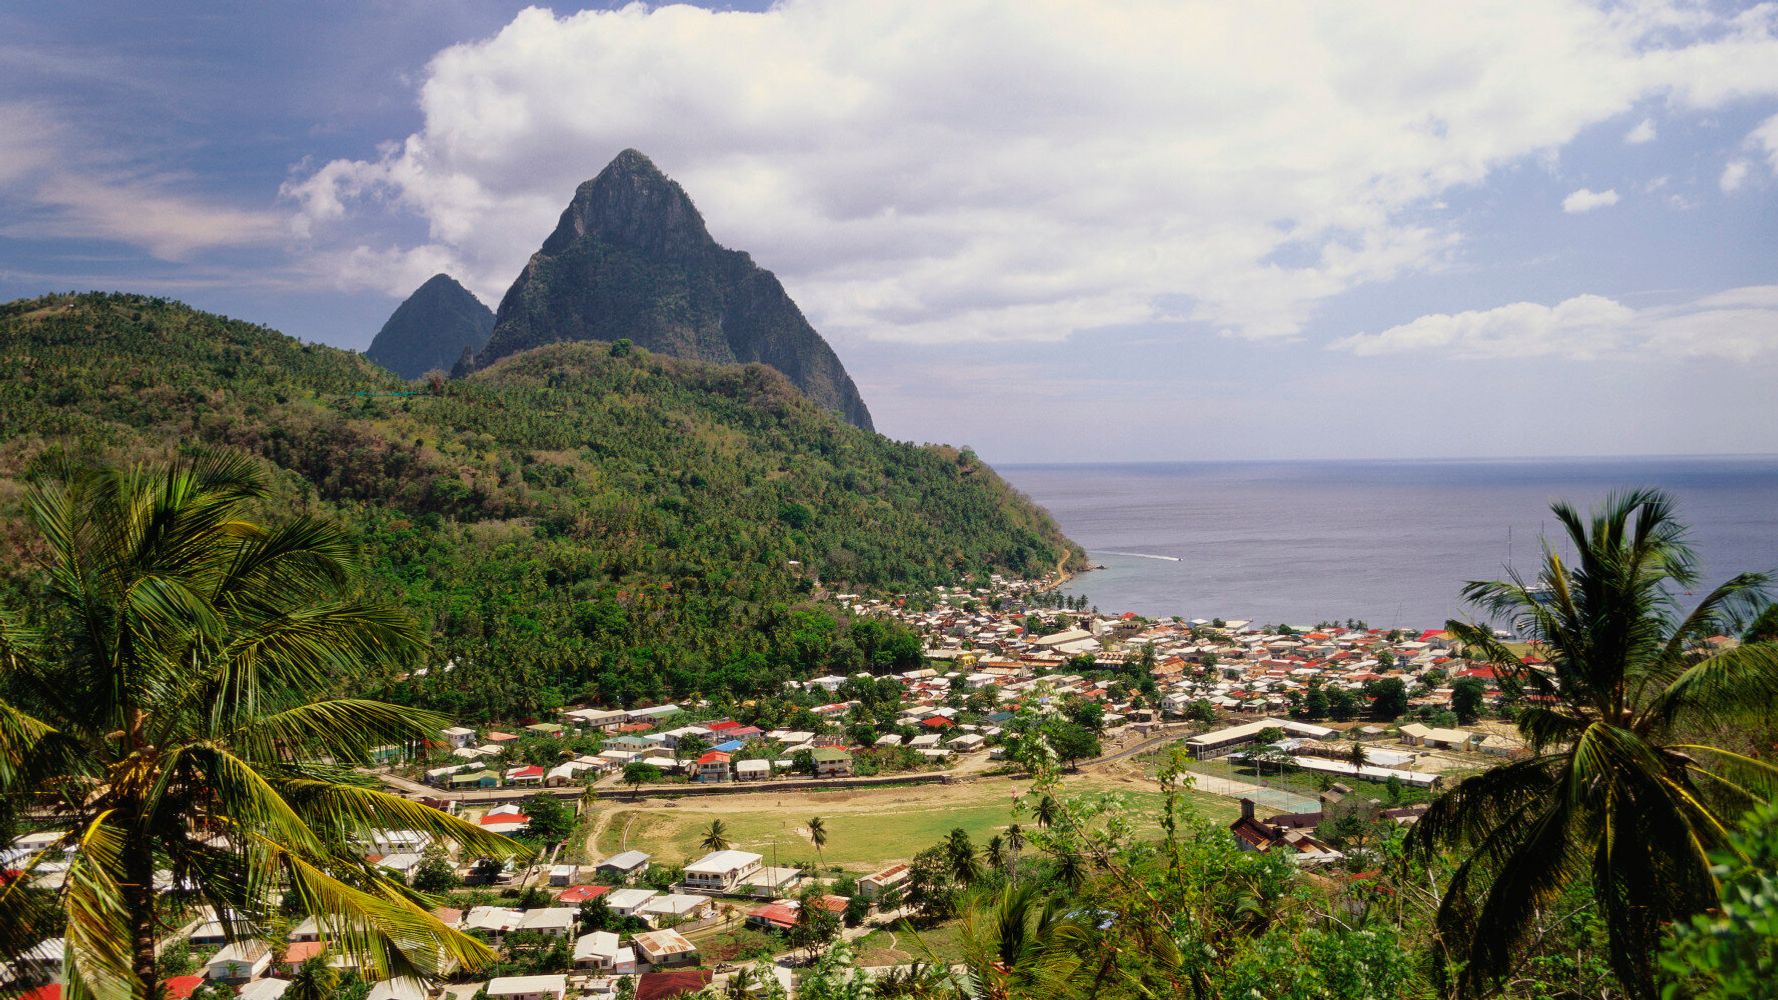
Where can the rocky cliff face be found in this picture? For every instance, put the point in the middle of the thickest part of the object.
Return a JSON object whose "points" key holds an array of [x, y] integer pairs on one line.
{"points": [[432, 329], [630, 258]]}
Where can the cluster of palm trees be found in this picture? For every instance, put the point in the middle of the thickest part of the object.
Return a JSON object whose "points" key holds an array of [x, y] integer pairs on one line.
{"points": [[168, 708]]}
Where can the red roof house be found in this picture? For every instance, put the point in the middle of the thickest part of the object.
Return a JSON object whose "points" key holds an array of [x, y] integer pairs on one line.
{"points": [[574, 895], [663, 985], [774, 916]]}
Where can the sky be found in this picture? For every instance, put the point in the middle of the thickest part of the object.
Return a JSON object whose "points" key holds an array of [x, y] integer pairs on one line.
{"points": [[1051, 231]]}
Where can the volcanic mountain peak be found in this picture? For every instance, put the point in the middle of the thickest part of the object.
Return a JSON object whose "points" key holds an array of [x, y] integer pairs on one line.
{"points": [[432, 328], [631, 259]]}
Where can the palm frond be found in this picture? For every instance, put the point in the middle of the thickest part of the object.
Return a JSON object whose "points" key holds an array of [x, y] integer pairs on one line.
{"points": [[338, 813], [1651, 856], [301, 649], [1753, 781], [339, 729], [245, 798], [386, 932], [1518, 883], [1479, 804], [302, 555], [98, 933], [1727, 686]]}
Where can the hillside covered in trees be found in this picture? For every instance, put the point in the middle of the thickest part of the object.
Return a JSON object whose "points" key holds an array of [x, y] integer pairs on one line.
{"points": [[584, 520]]}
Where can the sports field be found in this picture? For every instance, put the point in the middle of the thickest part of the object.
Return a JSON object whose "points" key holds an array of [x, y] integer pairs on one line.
{"points": [[866, 828]]}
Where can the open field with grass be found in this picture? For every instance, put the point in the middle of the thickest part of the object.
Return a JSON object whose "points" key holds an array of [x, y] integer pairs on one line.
{"points": [[866, 828], [899, 946]]}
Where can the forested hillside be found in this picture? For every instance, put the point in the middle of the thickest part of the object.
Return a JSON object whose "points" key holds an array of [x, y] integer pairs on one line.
{"points": [[581, 521]]}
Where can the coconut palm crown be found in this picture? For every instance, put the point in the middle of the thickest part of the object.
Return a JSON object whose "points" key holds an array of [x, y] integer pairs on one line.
{"points": [[1623, 787], [170, 707]]}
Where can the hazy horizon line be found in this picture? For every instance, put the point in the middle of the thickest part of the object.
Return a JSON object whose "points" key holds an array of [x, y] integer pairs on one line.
{"points": [[1428, 460]]}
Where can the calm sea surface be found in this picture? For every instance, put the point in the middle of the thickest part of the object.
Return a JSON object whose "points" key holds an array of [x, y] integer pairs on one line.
{"points": [[1387, 542]]}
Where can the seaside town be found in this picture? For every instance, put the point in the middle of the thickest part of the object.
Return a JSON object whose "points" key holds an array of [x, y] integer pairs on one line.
{"points": [[1306, 736]]}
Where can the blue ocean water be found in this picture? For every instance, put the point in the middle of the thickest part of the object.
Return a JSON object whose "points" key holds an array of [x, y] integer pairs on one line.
{"points": [[1391, 543]]}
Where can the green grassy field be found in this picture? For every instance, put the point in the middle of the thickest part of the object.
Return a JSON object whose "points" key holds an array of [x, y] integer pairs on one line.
{"points": [[942, 944], [864, 831], [853, 839]]}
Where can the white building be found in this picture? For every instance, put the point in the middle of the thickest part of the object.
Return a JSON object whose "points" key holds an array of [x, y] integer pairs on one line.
{"points": [[597, 950], [493, 920], [555, 921], [625, 902], [875, 884], [263, 989], [675, 906], [239, 962], [624, 865], [722, 871], [668, 947], [528, 988]]}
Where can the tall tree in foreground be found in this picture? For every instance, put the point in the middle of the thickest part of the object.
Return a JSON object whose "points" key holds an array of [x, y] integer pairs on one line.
{"points": [[170, 710], [1020, 943], [1619, 791]]}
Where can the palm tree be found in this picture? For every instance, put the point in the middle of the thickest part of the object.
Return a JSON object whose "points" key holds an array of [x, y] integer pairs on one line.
{"points": [[1015, 843], [740, 985], [818, 835], [716, 837], [1022, 944], [314, 979], [1357, 757], [995, 849], [1618, 792], [966, 867], [1071, 869], [168, 710]]}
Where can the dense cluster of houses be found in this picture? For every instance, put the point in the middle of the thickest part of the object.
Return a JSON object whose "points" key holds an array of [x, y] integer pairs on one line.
{"points": [[1233, 665], [987, 640], [261, 970]]}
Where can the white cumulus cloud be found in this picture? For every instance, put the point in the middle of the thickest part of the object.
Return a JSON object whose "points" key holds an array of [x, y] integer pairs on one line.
{"points": [[1585, 200], [1734, 174], [1643, 132], [1765, 139], [1019, 170], [1740, 324]]}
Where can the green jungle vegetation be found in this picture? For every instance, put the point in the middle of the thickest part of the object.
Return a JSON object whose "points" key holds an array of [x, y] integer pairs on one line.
{"points": [[583, 521]]}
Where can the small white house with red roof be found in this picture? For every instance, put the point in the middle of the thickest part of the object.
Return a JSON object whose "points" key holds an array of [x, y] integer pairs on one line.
{"points": [[529, 774], [714, 766]]}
